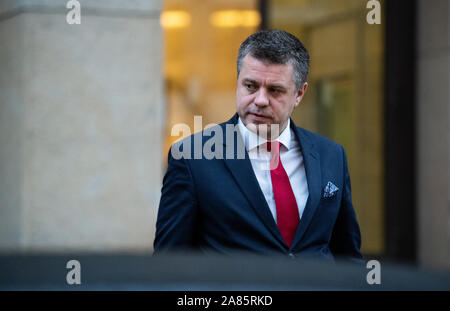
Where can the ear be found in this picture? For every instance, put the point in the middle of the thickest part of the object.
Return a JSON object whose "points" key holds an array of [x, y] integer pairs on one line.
{"points": [[300, 93]]}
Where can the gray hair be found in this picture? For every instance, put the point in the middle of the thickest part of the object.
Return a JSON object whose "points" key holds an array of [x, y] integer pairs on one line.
{"points": [[277, 47]]}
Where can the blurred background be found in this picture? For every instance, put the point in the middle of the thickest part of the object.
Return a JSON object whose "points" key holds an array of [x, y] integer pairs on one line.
{"points": [[86, 113]]}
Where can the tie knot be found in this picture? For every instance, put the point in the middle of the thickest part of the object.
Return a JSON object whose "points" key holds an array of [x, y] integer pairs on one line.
{"points": [[275, 144]]}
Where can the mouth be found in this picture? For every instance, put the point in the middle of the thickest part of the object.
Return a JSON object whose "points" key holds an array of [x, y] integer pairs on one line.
{"points": [[259, 117]]}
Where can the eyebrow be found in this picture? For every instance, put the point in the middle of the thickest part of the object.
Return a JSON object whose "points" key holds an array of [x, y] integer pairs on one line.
{"points": [[247, 80], [275, 85]]}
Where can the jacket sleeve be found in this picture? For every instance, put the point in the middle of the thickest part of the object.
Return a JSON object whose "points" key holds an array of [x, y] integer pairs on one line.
{"points": [[346, 238], [176, 221]]}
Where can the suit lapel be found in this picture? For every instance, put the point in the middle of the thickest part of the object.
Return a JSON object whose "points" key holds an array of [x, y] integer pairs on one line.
{"points": [[242, 171], [314, 179]]}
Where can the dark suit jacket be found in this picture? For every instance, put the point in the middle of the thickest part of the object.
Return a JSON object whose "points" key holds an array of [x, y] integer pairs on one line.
{"points": [[217, 204]]}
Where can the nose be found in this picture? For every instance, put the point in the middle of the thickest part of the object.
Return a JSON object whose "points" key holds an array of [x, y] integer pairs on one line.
{"points": [[261, 98]]}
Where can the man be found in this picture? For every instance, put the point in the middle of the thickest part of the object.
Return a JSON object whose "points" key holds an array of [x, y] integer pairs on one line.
{"points": [[289, 194]]}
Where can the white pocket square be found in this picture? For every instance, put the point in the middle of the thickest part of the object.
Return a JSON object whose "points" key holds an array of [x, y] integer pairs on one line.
{"points": [[330, 190]]}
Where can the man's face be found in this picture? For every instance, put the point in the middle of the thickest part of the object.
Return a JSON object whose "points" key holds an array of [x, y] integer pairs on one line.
{"points": [[266, 95]]}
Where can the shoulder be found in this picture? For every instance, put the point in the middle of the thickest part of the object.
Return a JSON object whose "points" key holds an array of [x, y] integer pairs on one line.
{"points": [[203, 135], [330, 153], [319, 141], [192, 146]]}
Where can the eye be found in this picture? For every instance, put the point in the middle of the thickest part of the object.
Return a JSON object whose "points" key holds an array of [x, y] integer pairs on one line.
{"points": [[250, 87], [275, 91]]}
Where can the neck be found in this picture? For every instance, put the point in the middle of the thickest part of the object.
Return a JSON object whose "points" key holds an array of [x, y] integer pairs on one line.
{"points": [[271, 132]]}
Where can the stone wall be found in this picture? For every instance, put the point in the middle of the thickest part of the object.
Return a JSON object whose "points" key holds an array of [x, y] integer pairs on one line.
{"points": [[81, 125]]}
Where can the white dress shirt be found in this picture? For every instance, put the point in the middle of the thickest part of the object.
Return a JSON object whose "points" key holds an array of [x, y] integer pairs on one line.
{"points": [[291, 157]]}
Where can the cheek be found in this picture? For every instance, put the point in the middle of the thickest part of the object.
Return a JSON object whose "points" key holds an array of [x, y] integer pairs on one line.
{"points": [[282, 109], [279, 108], [243, 101]]}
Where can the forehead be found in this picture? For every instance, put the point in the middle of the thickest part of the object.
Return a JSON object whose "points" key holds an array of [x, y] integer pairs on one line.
{"points": [[255, 69]]}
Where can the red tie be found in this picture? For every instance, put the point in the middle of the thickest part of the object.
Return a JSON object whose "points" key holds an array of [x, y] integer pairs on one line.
{"points": [[286, 206]]}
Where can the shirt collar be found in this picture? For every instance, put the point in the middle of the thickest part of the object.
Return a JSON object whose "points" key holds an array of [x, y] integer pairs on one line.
{"points": [[252, 140]]}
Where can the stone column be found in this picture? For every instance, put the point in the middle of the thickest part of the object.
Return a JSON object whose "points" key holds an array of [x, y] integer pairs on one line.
{"points": [[81, 125], [433, 132]]}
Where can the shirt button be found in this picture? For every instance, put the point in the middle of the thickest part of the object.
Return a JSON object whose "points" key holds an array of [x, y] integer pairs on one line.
{"points": [[292, 256]]}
